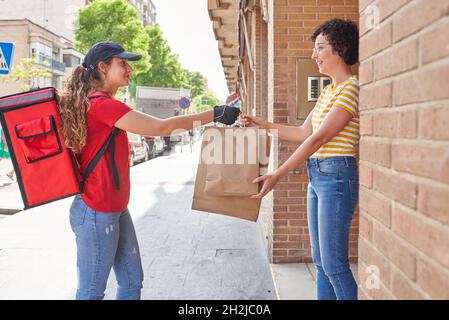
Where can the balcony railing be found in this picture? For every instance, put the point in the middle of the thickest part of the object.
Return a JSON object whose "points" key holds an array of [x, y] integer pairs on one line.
{"points": [[43, 59], [51, 63], [57, 65]]}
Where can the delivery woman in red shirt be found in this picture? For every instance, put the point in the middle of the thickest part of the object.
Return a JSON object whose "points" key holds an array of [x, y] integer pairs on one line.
{"points": [[105, 235]]}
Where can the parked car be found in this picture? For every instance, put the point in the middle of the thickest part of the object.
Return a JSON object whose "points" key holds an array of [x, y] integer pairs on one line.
{"points": [[156, 145], [138, 148]]}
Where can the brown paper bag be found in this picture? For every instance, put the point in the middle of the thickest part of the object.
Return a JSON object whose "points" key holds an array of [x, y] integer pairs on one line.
{"points": [[225, 173], [237, 165]]}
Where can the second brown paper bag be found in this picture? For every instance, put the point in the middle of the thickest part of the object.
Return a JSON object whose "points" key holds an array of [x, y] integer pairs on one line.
{"points": [[229, 162]]}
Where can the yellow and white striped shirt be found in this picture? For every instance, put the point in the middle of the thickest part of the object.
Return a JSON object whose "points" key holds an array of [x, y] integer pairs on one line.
{"points": [[346, 96]]}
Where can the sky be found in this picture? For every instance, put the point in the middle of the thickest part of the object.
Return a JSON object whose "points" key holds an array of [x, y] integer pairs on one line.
{"points": [[189, 33]]}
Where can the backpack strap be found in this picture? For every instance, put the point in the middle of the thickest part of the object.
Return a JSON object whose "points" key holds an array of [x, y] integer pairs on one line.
{"points": [[108, 144]]}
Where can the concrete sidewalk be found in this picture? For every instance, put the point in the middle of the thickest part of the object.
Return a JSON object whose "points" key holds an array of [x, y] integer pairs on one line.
{"points": [[185, 254], [10, 199]]}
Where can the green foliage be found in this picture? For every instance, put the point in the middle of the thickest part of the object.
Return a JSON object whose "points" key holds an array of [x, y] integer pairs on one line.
{"points": [[28, 72], [113, 20], [166, 70], [196, 83], [205, 101], [118, 21]]}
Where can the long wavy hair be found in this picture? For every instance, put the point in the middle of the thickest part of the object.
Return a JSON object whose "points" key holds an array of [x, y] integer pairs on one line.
{"points": [[74, 102]]}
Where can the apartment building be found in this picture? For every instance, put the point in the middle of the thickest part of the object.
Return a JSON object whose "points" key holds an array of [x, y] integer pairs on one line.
{"points": [[50, 50], [59, 16]]}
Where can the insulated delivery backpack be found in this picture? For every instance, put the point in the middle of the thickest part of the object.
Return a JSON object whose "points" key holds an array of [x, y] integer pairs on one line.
{"points": [[46, 169]]}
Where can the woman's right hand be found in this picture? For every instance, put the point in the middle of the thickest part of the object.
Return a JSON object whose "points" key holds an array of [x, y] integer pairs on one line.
{"points": [[251, 121]]}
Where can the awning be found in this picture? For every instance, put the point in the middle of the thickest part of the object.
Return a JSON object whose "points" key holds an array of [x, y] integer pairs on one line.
{"points": [[225, 17]]}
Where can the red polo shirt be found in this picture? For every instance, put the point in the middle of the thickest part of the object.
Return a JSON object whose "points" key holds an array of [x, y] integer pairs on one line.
{"points": [[99, 192]]}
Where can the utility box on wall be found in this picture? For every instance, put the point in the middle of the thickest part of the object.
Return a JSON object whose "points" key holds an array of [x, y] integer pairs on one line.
{"points": [[309, 84]]}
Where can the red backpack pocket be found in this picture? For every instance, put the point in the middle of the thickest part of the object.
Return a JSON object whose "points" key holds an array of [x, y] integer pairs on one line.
{"points": [[38, 138]]}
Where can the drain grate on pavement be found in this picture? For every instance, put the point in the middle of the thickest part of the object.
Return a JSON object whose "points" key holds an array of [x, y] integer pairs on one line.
{"points": [[231, 252]]}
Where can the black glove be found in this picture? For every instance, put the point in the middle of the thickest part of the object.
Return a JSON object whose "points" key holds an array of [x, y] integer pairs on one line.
{"points": [[226, 114]]}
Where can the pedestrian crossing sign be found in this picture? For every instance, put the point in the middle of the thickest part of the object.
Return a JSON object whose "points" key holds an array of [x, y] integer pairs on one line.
{"points": [[6, 49]]}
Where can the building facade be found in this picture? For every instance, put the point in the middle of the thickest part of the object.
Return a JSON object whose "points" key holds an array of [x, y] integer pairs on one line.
{"points": [[400, 233], [50, 50], [59, 16]]}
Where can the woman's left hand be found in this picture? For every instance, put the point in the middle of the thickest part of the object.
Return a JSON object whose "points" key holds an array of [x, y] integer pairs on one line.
{"points": [[269, 181]]}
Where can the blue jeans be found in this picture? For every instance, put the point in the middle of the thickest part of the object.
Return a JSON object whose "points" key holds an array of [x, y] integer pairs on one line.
{"points": [[105, 240], [332, 196]]}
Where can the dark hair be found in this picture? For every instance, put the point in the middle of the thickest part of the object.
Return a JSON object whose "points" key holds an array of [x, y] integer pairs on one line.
{"points": [[343, 36]]}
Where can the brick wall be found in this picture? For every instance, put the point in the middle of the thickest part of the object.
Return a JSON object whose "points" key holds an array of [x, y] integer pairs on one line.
{"points": [[294, 22], [404, 150]]}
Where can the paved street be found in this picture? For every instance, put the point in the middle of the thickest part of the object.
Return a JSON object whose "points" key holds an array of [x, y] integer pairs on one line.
{"points": [[186, 254]]}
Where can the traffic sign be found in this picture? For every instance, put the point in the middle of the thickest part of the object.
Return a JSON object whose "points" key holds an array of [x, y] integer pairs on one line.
{"points": [[6, 49], [184, 103]]}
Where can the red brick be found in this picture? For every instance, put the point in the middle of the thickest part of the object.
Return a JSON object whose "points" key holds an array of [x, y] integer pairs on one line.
{"points": [[277, 193], [423, 85], [404, 289], [371, 257], [297, 223], [364, 3], [396, 60], [331, 2], [375, 41], [421, 158], [298, 237], [365, 176], [301, 2], [317, 9], [280, 223], [433, 122], [395, 250], [407, 123], [366, 72], [431, 52], [287, 215], [376, 151], [433, 279], [430, 238], [385, 124], [301, 16], [417, 15], [285, 245], [346, 9], [387, 182], [376, 95], [376, 206], [433, 201], [282, 230], [388, 7], [280, 237], [366, 124], [279, 252], [366, 228]]}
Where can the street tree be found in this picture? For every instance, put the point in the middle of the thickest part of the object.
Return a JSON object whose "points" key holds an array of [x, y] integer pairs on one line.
{"points": [[113, 20], [28, 72], [196, 83], [166, 70], [205, 101]]}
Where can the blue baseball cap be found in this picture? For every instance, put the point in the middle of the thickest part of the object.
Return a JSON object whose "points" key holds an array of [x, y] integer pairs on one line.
{"points": [[104, 50]]}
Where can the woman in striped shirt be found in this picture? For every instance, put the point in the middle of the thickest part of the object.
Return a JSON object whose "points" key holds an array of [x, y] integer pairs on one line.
{"points": [[329, 139]]}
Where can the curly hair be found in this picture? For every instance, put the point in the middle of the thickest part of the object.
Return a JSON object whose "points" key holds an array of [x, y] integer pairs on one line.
{"points": [[74, 102], [343, 36]]}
